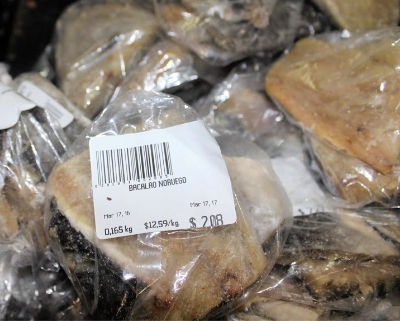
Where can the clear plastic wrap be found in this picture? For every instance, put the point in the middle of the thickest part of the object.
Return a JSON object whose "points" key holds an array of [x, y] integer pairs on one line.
{"points": [[165, 66], [343, 91], [33, 286], [238, 105], [169, 67], [35, 87], [29, 150], [224, 31], [186, 274], [97, 42], [343, 265], [362, 14]]}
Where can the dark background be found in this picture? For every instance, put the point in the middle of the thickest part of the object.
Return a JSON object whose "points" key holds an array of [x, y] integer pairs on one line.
{"points": [[26, 27]]}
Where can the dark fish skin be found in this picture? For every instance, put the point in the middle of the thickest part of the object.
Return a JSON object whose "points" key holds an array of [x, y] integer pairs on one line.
{"points": [[324, 269], [91, 269], [332, 275], [323, 255]]}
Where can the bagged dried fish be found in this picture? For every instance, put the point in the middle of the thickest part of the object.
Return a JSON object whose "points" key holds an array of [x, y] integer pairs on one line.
{"points": [[96, 45], [354, 180], [184, 274], [345, 91], [171, 68], [29, 150], [46, 95], [334, 266], [165, 66], [224, 31], [362, 14], [238, 105]]}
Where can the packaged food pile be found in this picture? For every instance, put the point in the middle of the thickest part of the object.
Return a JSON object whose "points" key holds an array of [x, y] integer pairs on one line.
{"points": [[202, 160]]}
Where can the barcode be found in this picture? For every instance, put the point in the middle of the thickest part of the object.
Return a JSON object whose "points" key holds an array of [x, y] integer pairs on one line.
{"points": [[124, 165]]}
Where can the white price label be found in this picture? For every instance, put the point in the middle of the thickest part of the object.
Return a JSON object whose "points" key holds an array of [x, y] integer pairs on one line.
{"points": [[303, 191], [159, 180], [39, 97], [11, 106]]}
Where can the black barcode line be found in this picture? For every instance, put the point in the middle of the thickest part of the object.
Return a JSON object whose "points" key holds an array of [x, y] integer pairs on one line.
{"points": [[124, 165]]}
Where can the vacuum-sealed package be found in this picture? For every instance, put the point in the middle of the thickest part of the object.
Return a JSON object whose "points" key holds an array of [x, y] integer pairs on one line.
{"points": [[362, 14], [343, 92], [334, 266], [136, 234], [33, 286], [168, 67], [97, 42], [221, 32], [44, 94], [31, 144]]}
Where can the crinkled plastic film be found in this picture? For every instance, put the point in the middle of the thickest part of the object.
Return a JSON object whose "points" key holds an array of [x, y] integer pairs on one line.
{"points": [[33, 285], [165, 66], [222, 31], [171, 68], [97, 42], [187, 274], [80, 120], [29, 150], [343, 265], [238, 105], [343, 90]]}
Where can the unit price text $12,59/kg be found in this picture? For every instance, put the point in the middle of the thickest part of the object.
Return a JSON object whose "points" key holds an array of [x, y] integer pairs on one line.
{"points": [[161, 224]]}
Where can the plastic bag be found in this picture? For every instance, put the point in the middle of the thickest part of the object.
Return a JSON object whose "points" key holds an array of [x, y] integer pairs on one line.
{"points": [[238, 105], [186, 274], [334, 266], [29, 150], [46, 95], [362, 14], [165, 66], [223, 31], [344, 92], [33, 286], [171, 68], [96, 45]]}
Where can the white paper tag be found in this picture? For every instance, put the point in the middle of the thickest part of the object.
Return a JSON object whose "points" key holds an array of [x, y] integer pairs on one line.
{"points": [[11, 106], [159, 180], [38, 96], [303, 191]]}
